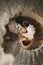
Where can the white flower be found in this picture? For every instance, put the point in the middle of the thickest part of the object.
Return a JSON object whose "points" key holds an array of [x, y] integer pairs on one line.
{"points": [[30, 32]]}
